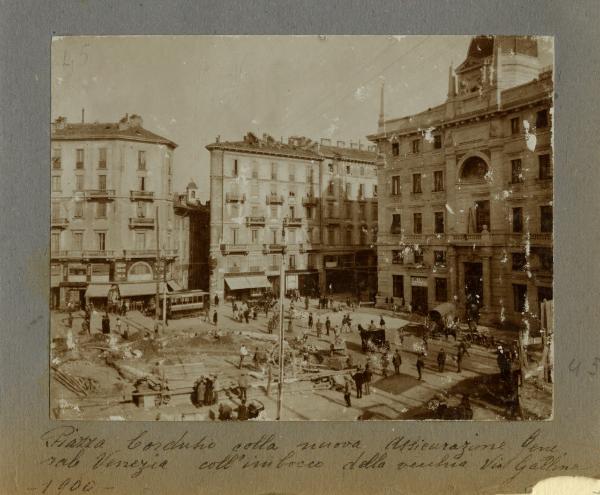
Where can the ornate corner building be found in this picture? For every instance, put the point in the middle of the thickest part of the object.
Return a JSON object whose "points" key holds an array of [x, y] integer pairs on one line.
{"points": [[465, 189], [328, 198]]}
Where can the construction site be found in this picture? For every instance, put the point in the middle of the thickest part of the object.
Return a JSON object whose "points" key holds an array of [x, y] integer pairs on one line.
{"points": [[195, 370]]}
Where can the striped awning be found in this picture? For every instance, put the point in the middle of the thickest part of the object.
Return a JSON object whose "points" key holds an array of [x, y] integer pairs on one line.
{"points": [[250, 282]]}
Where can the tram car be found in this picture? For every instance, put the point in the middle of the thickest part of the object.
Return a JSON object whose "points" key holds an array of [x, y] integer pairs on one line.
{"points": [[182, 304]]}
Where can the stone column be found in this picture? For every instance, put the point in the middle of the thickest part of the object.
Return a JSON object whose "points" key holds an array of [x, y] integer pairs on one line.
{"points": [[487, 283]]}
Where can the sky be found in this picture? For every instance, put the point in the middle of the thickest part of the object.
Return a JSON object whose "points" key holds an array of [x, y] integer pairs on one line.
{"points": [[191, 89]]}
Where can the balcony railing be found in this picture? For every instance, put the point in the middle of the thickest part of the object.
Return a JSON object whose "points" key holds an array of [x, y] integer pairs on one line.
{"points": [[141, 195], [138, 222], [60, 223], [310, 201], [274, 199], [255, 220], [294, 222], [98, 254], [101, 194], [273, 248], [234, 248], [140, 253], [234, 197]]}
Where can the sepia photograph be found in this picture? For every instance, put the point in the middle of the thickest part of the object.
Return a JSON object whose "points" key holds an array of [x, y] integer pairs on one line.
{"points": [[301, 228]]}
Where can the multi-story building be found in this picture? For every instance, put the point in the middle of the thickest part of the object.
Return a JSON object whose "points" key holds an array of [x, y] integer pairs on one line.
{"points": [[193, 264], [113, 233], [465, 203], [326, 196]]}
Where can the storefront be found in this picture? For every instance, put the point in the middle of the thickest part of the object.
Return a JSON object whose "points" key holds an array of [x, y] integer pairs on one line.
{"points": [[419, 294], [246, 286]]}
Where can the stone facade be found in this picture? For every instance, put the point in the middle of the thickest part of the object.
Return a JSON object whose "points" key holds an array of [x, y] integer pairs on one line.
{"points": [[325, 193], [111, 193], [465, 204]]}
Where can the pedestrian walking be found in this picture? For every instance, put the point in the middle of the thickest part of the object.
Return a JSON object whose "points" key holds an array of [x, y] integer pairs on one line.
{"points": [[358, 378], [243, 354], [216, 299], [215, 318], [385, 362], [381, 322], [460, 354], [319, 327], [347, 388], [327, 325], [367, 377], [105, 324], [420, 365], [397, 361], [441, 360], [243, 385]]}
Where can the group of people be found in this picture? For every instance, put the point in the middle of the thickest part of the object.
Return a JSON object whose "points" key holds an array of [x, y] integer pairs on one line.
{"points": [[243, 312], [204, 392]]}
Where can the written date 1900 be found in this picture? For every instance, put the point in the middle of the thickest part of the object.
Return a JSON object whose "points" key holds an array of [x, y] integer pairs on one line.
{"points": [[67, 485]]}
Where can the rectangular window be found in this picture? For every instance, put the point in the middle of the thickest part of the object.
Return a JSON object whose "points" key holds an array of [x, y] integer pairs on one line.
{"points": [[56, 158], [546, 259], [77, 241], [417, 183], [79, 155], [235, 168], [398, 286], [101, 238], [273, 236], [235, 235], [482, 215], [397, 257], [515, 125], [517, 220], [418, 255], [140, 240], [141, 209], [330, 187], [331, 236], [102, 158], [292, 210], [274, 212], [541, 119], [254, 189], [102, 182], [348, 190], [516, 171], [546, 219], [416, 145], [417, 223], [438, 222], [141, 160], [330, 210], [395, 185], [101, 210], [55, 211], [309, 212], [348, 237], [439, 258], [518, 261], [361, 211], [142, 183], [396, 226], [441, 289], [56, 183], [545, 166], [374, 190], [254, 236], [438, 181], [348, 170], [273, 171], [395, 149], [519, 297], [361, 191], [78, 209], [292, 261], [330, 167], [55, 246], [79, 182], [437, 141]]}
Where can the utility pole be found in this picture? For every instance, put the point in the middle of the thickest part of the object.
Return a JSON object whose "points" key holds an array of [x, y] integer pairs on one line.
{"points": [[164, 267], [281, 296]]}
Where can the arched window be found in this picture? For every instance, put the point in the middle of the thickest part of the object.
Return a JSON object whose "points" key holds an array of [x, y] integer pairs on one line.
{"points": [[474, 168], [140, 271]]}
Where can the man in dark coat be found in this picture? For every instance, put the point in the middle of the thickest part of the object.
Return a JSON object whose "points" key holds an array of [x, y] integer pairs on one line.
{"points": [[242, 411], [105, 324], [397, 361], [347, 393], [441, 360], [358, 378], [420, 365], [215, 318], [328, 325], [367, 376]]}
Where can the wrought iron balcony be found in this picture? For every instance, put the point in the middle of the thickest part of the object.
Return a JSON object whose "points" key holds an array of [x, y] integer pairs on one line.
{"points": [[141, 195], [140, 253], [255, 221], [99, 253], [139, 222], [100, 194], [310, 200], [235, 197], [273, 248], [274, 199], [60, 223], [294, 222], [234, 248]]}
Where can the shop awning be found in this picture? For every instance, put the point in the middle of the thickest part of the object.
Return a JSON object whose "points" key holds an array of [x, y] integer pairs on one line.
{"points": [[237, 283], [139, 289], [97, 290], [258, 282], [250, 282], [174, 286]]}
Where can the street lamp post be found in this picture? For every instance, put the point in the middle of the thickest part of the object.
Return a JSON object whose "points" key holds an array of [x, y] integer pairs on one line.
{"points": [[281, 297]]}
